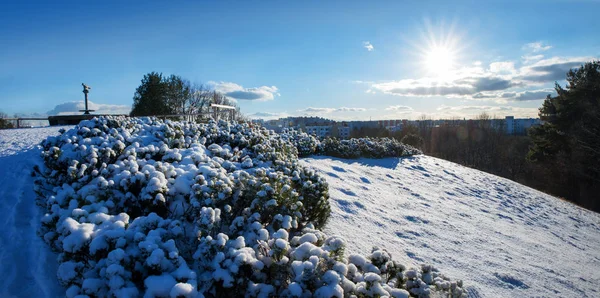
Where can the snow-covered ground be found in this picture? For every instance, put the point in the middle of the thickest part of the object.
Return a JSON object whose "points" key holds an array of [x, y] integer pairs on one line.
{"points": [[27, 266], [502, 238]]}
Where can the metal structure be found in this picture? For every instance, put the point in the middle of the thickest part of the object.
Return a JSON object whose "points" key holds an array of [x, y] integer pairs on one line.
{"points": [[86, 90], [215, 107]]}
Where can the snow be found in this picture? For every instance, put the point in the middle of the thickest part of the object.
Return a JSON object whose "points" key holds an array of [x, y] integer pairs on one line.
{"points": [[27, 266], [501, 238]]}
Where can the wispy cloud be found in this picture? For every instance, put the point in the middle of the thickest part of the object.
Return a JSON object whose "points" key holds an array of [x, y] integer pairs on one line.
{"points": [[268, 115], [531, 58], [470, 111], [367, 45], [400, 108], [235, 91], [536, 47], [312, 110]]}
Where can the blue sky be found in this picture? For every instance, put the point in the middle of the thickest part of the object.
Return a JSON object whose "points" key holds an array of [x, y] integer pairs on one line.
{"points": [[336, 59]]}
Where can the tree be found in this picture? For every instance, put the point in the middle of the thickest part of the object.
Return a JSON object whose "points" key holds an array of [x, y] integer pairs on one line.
{"points": [[150, 97], [413, 140], [5, 123], [173, 95], [569, 140], [178, 94]]}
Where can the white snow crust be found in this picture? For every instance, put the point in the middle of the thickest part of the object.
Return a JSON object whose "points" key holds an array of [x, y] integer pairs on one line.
{"points": [[501, 238]]}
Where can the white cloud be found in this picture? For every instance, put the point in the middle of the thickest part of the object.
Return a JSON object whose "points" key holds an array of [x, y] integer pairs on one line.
{"points": [[400, 109], [536, 47], [471, 111], [497, 82], [268, 115], [531, 58], [311, 110], [74, 107], [503, 68], [367, 45], [235, 91]]}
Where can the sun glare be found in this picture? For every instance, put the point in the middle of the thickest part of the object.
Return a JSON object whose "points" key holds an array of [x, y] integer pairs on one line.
{"points": [[440, 51], [439, 61]]}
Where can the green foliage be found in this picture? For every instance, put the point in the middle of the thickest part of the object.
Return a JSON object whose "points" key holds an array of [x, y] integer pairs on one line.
{"points": [[413, 140], [569, 140], [5, 123], [150, 97]]}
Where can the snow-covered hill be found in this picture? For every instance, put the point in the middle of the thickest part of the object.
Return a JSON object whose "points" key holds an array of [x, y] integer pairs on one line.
{"points": [[502, 238]]}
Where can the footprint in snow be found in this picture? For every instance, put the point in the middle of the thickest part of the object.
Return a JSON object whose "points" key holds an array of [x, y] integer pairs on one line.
{"points": [[512, 282], [348, 192], [332, 175], [338, 169], [365, 180]]}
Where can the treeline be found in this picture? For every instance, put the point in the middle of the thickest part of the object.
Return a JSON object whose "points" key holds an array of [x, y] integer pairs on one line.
{"points": [[174, 95]]}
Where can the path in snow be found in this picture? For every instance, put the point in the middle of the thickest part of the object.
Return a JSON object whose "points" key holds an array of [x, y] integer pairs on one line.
{"points": [[502, 238], [27, 266]]}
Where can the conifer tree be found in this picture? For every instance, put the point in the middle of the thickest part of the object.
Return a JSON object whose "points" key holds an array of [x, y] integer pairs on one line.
{"points": [[569, 140]]}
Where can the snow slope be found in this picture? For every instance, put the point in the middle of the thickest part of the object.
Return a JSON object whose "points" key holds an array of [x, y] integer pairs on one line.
{"points": [[27, 266], [502, 238]]}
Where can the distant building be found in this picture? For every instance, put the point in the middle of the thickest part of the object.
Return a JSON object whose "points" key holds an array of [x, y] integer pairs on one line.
{"points": [[519, 126], [319, 130], [344, 132]]}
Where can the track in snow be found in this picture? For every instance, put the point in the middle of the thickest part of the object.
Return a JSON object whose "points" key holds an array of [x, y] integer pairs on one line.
{"points": [[502, 238], [28, 268]]}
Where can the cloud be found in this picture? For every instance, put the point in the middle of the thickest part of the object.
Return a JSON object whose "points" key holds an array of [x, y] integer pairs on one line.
{"points": [[311, 110], [459, 87], [506, 67], [536, 47], [531, 58], [367, 45], [471, 111], [516, 96], [268, 115], [400, 109], [235, 91], [553, 69], [534, 94], [501, 81], [74, 107]]}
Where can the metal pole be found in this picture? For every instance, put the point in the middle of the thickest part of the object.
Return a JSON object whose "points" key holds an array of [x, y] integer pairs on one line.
{"points": [[86, 103]]}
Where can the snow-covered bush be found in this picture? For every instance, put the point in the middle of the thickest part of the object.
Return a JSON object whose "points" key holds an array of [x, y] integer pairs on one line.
{"points": [[141, 207], [366, 147], [351, 148]]}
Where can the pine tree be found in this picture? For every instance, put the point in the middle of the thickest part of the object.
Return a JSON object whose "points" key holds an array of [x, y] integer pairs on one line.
{"points": [[569, 140], [150, 97]]}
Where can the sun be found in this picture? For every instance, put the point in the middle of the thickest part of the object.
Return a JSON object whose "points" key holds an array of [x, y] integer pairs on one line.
{"points": [[439, 61], [439, 51]]}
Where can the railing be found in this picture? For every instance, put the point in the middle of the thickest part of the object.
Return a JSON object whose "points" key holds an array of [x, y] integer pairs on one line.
{"points": [[215, 111], [18, 120]]}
